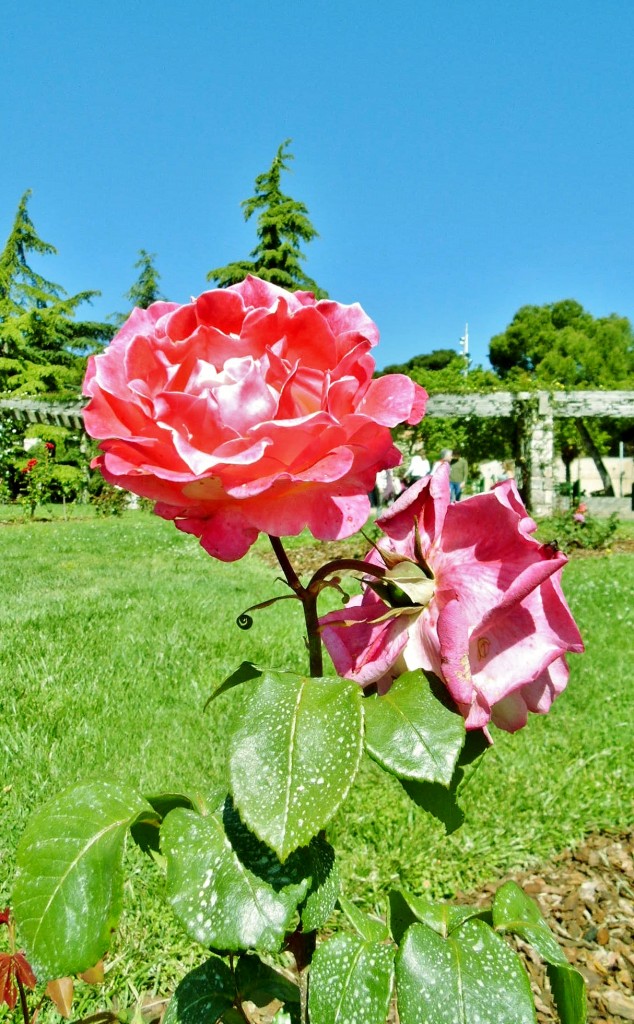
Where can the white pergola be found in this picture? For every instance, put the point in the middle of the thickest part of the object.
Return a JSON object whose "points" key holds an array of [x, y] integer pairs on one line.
{"points": [[533, 412]]}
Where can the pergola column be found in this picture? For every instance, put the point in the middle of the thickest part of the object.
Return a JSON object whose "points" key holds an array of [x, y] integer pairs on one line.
{"points": [[539, 447]]}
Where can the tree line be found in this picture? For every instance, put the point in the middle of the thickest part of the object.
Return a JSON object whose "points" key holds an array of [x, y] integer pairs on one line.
{"points": [[44, 344]]}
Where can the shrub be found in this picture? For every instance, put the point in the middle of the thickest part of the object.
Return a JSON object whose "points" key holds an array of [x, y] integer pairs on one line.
{"points": [[67, 482], [110, 501], [576, 528]]}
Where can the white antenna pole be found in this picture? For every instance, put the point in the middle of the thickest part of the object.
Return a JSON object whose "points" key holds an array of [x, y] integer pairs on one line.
{"points": [[464, 347]]}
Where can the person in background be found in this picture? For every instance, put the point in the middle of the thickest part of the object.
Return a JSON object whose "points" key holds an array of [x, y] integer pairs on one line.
{"points": [[458, 475], [418, 467], [384, 489], [446, 455]]}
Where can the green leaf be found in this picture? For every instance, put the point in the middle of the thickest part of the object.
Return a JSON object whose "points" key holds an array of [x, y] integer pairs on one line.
{"points": [[313, 866], [295, 755], [514, 911], [366, 925], [203, 995], [351, 980], [405, 908], [244, 672], [472, 975], [69, 881], [411, 733], [260, 983], [437, 800], [218, 900], [319, 860], [569, 992]]}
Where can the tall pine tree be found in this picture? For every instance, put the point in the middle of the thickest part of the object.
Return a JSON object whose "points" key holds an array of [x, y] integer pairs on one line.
{"points": [[145, 289], [37, 317], [282, 225]]}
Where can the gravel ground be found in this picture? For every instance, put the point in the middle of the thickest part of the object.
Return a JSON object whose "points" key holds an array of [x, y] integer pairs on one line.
{"points": [[587, 897]]}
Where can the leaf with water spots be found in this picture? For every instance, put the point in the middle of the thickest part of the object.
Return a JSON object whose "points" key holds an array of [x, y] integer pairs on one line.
{"points": [[470, 976], [366, 925], [69, 880], [440, 800], [203, 995], [146, 832], [406, 909], [351, 981], [313, 865], [411, 733], [318, 859], [294, 756], [219, 901], [514, 911]]}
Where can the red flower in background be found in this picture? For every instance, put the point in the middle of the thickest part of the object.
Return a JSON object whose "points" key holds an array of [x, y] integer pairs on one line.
{"points": [[249, 409], [30, 465]]}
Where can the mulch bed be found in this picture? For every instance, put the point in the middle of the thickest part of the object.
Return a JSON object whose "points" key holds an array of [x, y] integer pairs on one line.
{"points": [[587, 898]]}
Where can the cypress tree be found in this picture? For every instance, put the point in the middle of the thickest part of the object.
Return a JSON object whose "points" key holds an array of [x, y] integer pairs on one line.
{"points": [[282, 225], [145, 289], [37, 316]]}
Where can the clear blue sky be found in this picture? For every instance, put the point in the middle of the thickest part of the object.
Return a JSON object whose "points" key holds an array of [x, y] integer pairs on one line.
{"points": [[459, 158]]}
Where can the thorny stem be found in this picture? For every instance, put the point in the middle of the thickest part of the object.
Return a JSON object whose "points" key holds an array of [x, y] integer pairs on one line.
{"points": [[302, 944]]}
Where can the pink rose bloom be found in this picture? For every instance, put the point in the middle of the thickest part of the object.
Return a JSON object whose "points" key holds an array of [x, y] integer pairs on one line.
{"points": [[579, 517], [249, 409], [470, 596]]}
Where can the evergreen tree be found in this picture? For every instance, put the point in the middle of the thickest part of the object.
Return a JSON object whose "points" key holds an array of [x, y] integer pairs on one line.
{"points": [[145, 289], [282, 224], [37, 317]]}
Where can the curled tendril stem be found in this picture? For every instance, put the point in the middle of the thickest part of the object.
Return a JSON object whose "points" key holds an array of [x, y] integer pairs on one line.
{"points": [[245, 621]]}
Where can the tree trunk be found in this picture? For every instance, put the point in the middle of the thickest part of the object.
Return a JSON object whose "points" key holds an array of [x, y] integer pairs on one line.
{"points": [[593, 451]]}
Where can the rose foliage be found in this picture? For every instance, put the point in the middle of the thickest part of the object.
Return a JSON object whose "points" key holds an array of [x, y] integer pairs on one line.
{"points": [[469, 595], [249, 409], [253, 409]]}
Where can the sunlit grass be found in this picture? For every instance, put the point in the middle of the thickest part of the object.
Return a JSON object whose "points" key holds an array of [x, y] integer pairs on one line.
{"points": [[113, 634]]}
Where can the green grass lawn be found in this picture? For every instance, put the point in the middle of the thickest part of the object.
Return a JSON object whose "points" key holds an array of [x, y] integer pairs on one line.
{"points": [[115, 631]]}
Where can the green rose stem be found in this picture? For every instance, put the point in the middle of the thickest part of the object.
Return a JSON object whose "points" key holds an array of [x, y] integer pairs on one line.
{"points": [[302, 944], [309, 595]]}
